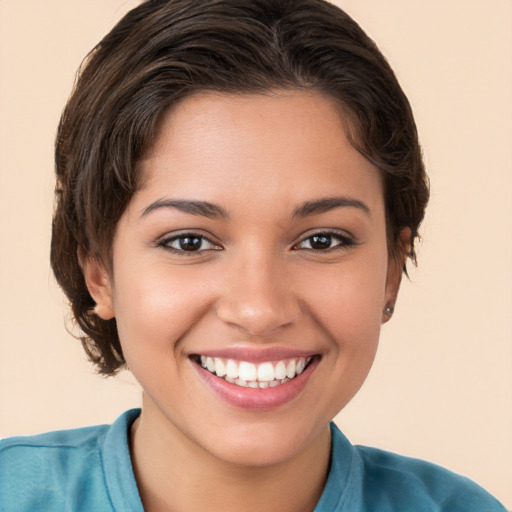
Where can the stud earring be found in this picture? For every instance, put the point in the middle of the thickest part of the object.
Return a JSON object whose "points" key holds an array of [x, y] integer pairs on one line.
{"points": [[389, 310]]}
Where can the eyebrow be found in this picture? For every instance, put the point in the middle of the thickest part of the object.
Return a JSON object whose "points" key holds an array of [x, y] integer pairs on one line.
{"points": [[212, 211], [329, 203], [203, 208]]}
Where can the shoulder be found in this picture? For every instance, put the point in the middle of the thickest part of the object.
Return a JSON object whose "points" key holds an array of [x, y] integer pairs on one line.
{"points": [[60, 470], [410, 482], [372, 480], [28, 453]]}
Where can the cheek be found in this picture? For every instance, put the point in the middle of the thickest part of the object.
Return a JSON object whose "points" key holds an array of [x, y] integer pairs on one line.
{"points": [[349, 301], [154, 310]]}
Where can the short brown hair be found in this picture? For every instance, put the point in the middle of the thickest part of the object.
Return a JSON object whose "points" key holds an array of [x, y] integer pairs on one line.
{"points": [[165, 50]]}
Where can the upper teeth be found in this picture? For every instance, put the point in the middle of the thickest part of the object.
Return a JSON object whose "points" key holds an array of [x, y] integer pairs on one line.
{"points": [[244, 373]]}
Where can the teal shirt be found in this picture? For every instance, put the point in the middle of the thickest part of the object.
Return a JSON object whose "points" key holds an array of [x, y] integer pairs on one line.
{"points": [[90, 470]]}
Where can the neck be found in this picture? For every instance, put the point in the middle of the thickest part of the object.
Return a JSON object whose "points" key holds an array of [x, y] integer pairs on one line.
{"points": [[174, 474]]}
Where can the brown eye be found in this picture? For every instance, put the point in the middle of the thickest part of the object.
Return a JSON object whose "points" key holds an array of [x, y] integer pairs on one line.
{"points": [[190, 243], [325, 242], [187, 243], [320, 242]]}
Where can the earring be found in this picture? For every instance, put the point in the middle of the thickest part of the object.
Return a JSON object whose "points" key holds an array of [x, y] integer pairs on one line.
{"points": [[389, 310]]}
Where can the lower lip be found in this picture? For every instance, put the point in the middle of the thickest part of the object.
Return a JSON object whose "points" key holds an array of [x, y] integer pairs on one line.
{"points": [[257, 399]]}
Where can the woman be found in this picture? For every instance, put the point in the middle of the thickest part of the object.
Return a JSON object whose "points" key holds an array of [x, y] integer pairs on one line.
{"points": [[239, 186]]}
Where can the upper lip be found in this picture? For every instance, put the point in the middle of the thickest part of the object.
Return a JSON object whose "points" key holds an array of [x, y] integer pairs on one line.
{"points": [[255, 355]]}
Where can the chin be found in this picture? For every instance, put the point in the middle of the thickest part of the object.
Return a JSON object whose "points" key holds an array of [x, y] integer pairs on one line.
{"points": [[263, 444], [255, 455]]}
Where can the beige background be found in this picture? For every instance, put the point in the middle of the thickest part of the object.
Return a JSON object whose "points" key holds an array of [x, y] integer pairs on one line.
{"points": [[441, 388]]}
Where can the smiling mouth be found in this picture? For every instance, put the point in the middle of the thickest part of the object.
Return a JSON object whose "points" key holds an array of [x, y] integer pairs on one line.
{"points": [[268, 374]]}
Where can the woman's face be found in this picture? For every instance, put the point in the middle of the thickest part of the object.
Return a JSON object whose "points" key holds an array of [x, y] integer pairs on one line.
{"points": [[256, 247]]}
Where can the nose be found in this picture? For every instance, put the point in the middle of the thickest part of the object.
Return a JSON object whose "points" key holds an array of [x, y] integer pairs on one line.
{"points": [[259, 297]]}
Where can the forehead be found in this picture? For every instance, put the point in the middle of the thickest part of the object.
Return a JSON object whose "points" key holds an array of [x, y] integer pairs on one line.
{"points": [[285, 146]]}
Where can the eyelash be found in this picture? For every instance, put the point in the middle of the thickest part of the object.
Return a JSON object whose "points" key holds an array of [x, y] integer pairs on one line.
{"points": [[344, 242], [166, 243]]}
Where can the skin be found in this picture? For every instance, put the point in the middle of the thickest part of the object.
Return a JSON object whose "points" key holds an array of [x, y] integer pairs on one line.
{"points": [[257, 284]]}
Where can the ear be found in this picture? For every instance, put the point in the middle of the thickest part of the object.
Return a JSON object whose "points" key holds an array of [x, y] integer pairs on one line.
{"points": [[395, 271], [99, 285]]}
